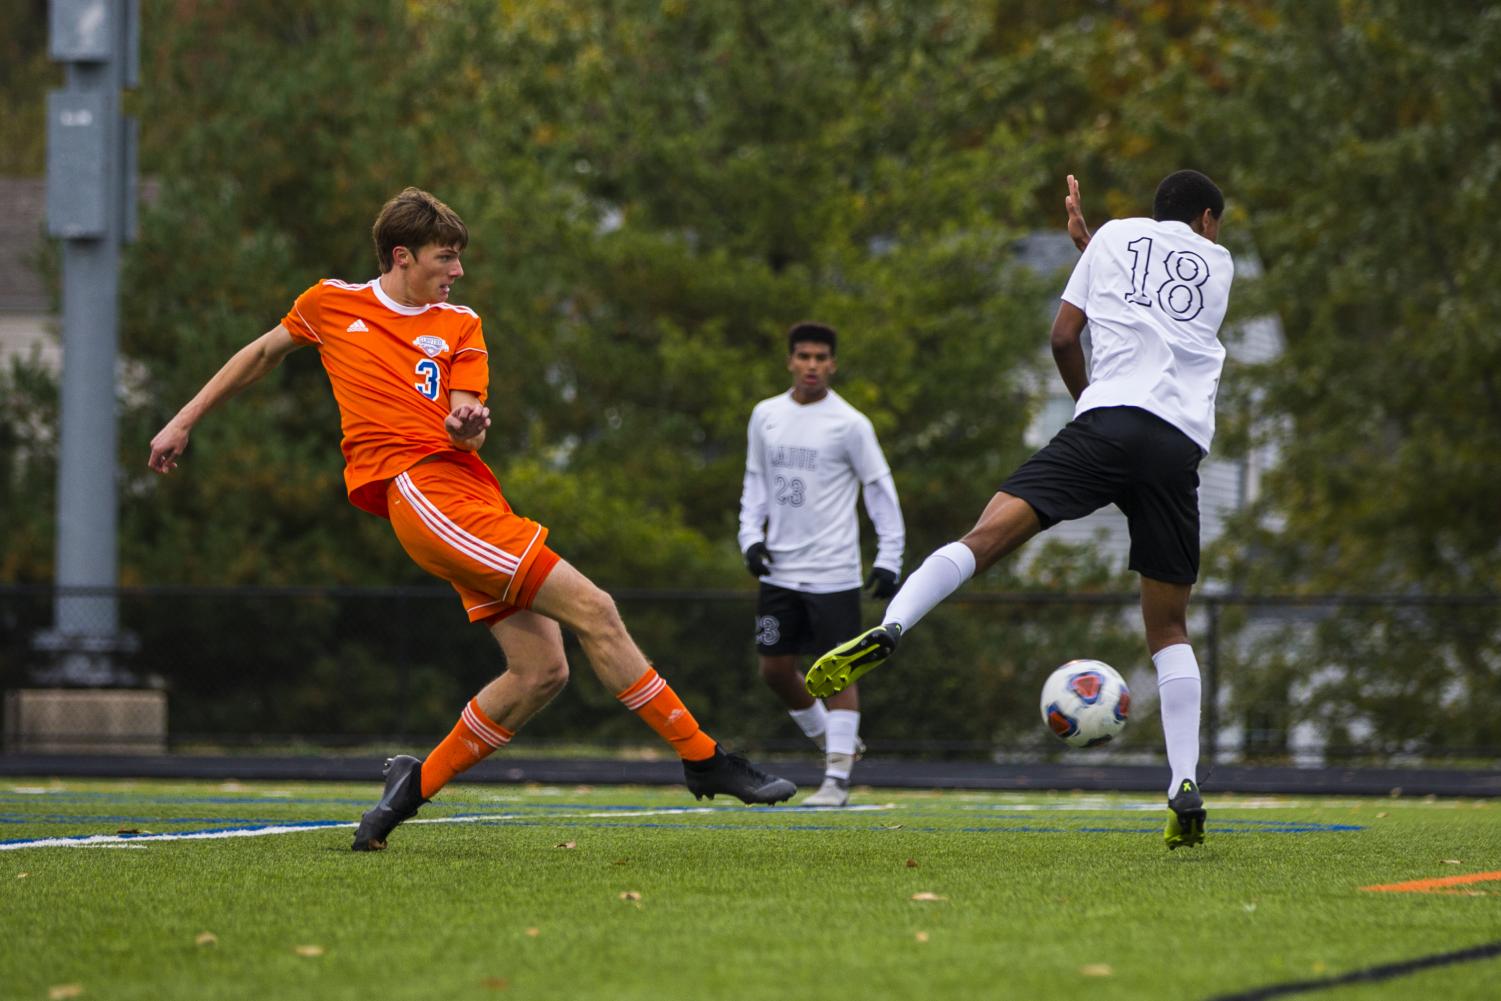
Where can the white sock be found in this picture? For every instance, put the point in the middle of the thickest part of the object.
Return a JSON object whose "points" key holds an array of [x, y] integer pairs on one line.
{"points": [[940, 575], [814, 721], [1179, 690], [844, 728]]}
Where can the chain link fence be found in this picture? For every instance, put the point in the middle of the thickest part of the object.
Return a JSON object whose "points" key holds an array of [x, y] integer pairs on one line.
{"points": [[1350, 679]]}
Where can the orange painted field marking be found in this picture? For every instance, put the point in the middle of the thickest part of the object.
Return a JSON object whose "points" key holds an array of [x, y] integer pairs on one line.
{"points": [[1435, 885]]}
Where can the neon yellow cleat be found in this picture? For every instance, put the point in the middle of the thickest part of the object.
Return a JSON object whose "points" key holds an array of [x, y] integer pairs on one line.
{"points": [[842, 666], [1185, 818]]}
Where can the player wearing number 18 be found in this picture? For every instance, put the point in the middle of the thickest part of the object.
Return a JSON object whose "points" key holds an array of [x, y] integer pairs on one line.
{"points": [[1153, 292]]}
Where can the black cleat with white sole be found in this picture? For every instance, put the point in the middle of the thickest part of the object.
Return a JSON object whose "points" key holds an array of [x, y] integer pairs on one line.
{"points": [[733, 775], [399, 802]]}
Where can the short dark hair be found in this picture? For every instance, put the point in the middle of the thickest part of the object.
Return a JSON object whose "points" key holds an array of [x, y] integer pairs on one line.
{"points": [[414, 219], [1184, 195], [806, 331]]}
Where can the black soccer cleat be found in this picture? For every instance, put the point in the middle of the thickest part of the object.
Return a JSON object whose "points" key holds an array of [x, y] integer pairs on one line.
{"points": [[733, 775], [399, 802], [1185, 820]]}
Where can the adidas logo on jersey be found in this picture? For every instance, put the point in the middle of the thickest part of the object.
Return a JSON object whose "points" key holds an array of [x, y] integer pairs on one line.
{"points": [[356, 326]]}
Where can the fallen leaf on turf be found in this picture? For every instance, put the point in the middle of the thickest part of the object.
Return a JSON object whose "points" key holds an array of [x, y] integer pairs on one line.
{"points": [[1451, 861], [206, 938], [130, 830], [925, 895], [61, 991], [889, 827], [629, 895], [621, 861], [566, 844], [922, 936], [1383, 813], [22, 875], [533, 932], [495, 983], [1096, 970], [1249, 908], [912, 863], [308, 950]]}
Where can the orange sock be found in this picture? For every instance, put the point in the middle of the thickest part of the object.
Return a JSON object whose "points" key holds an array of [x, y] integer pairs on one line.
{"points": [[653, 699], [472, 740]]}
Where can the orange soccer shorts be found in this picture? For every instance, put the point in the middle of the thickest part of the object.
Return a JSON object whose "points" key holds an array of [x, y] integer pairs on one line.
{"points": [[456, 524]]}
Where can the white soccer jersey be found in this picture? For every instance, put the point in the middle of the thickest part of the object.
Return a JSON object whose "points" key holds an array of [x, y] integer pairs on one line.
{"points": [[804, 464], [1155, 294]]}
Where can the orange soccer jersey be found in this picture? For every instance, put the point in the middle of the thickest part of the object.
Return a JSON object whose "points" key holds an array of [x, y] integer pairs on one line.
{"points": [[391, 368]]}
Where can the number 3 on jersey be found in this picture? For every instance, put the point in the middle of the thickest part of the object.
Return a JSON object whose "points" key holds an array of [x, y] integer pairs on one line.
{"points": [[1181, 295], [429, 371]]}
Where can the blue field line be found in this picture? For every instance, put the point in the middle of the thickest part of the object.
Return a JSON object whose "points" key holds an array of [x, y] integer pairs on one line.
{"points": [[77, 818]]}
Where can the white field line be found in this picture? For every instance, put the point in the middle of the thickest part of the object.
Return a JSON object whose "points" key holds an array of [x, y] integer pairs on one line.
{"points": [[132, 840]]}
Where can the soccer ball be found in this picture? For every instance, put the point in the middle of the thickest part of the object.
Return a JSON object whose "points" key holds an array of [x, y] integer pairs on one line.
{"points": [[1085, 703]]}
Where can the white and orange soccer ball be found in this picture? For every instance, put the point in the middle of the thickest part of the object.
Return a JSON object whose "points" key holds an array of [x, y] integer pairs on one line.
{"points": [[1085, 703]]}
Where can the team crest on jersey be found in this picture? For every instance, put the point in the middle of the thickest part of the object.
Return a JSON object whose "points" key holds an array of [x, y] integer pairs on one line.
{"points": [[431, 345]]}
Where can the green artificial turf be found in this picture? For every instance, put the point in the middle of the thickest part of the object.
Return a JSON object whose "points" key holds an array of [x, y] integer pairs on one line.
{"points": [[631, 893]]}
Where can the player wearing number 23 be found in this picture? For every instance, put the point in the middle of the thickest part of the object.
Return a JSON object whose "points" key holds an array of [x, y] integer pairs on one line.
{"points": [[809, 455]]}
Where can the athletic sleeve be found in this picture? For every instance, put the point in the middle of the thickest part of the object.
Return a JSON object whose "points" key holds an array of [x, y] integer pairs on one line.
{"points": [[303, 318], [886, 515], [470, 371], [753, 502], [865, 455], [1076, 292]]}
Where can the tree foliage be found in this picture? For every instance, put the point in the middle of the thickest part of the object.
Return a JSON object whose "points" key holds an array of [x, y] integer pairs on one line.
{"points": [[657, 188]]}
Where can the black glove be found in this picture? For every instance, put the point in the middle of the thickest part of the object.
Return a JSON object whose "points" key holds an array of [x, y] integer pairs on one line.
{"points": [[881, 583], [758, 560]]}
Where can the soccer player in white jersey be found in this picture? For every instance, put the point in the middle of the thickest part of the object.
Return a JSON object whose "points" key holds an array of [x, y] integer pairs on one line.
{"points": [[809, 454], [1154, 292]]}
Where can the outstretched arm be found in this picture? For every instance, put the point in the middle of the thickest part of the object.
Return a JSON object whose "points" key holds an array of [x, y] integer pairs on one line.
{"points": [[467, 422], [246, 366], [1078, 229]]}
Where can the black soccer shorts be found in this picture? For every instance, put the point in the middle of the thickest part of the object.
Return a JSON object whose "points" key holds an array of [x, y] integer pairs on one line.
{"points": [[792, 622], [1135, 460]]}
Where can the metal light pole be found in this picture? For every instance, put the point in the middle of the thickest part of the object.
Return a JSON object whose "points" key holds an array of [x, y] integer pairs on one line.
{"points": [[91, 209]]}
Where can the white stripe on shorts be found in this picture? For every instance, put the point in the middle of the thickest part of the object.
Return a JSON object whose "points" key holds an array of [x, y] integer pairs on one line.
{"points": [[444, 528]]}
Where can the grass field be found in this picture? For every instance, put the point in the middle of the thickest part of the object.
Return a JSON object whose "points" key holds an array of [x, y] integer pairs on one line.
{"points": [[634, 893]]}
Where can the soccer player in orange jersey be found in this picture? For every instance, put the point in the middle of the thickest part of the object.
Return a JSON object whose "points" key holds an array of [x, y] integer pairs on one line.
{"points": [[410, 372]]}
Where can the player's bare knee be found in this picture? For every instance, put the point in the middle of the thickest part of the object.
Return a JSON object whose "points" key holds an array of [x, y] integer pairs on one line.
{"points": [[552, 678]]}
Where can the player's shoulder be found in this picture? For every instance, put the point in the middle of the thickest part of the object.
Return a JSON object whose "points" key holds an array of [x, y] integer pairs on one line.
{"points": [[457, 311], [771, 404], [849, 416], [339, 287]]}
